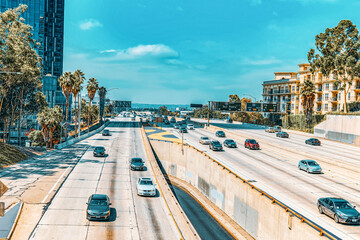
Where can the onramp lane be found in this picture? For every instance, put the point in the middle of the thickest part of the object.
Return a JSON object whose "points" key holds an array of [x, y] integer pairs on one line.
{"points": [[65, 218]]}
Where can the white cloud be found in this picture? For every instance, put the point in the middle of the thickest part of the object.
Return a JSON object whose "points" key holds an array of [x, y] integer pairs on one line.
{"points": [[108, 51], [142, 51], [90, 23]]}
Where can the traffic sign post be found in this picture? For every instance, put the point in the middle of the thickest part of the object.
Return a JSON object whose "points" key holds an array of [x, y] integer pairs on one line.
{"points": [[253, 107]]}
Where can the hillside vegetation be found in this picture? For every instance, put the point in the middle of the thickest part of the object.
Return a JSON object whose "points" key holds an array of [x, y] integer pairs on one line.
{"points": [[10, 155]]}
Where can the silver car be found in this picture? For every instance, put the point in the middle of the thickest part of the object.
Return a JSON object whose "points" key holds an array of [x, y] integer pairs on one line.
{"points": [[204, 140], [310, 166], [145, 187]]}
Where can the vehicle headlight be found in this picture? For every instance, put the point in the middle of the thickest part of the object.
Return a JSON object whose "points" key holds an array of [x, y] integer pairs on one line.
{"points": [[342, 215], [105, 213]]}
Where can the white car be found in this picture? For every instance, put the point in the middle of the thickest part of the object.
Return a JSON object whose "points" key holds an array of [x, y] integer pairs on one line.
{"points": [[204, 140], [190, 126], [145, 187]]}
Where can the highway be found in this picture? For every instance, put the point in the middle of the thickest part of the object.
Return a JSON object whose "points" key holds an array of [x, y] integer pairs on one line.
{"points": [[132, 216], [274, 170]]}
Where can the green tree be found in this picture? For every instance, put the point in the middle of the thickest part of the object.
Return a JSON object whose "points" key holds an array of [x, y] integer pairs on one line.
{"points": [[307, 93], [338, 54], [163, 110], [102, 94], [66, 82], [79, 78], [50, 119], [92, 87], [37, 138], [234, 98]]}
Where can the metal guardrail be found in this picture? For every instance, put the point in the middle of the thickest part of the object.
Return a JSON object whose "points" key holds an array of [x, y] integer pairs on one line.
{"points": [[303, 219]]}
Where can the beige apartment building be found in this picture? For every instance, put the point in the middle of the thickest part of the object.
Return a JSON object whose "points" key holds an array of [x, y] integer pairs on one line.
{"points": [[285, 90]]}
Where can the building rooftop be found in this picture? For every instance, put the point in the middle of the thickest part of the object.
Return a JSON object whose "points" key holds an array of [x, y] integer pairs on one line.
{"points": [[285, 72], [276, 81], [304, 64]]}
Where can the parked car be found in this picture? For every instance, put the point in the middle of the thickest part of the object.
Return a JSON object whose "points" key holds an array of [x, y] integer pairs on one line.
{"points": [[167, 122], [137, 164], [133, 118], [112, 117], [270, 130], [339, 209], [282, 134], [313, 141], [204, 140], [230, 143], [229, 120], [277, 129], [106, 132], [310, 166], [183, 129], [173, 120], [215, 146], [251, 144], [220, 134], [145, 187], [176, 126], [190, 126], [98, 207], [99, 152]]}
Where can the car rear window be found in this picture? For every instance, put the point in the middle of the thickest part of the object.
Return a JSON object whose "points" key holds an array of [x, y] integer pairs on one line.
{"points": [[252, 141], [146, 182], [216, 142]]}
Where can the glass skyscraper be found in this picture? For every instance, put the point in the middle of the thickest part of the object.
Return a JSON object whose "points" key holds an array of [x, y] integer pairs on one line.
{"points": [[47, 19]]}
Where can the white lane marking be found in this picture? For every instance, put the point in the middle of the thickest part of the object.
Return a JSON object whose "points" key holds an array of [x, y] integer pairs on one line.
{"points": [[52, 189]]}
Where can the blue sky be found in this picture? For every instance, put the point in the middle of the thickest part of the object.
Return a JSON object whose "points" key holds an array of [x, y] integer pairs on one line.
{"points": [[192, 51]]}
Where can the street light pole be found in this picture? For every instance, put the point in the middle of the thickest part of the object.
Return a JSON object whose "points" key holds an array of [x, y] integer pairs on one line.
{"points": [[208, 116], [79, 114]]}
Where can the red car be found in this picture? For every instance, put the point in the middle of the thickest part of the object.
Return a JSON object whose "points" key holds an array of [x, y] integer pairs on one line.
{"points": [[251, 144]]}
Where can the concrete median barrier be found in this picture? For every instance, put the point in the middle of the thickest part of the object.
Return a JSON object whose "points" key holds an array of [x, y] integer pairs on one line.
{"points": [[257, 212]]}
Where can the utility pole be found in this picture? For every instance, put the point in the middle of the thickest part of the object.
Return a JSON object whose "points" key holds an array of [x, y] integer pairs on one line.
{"points": [[79, 113], [208, 120]]}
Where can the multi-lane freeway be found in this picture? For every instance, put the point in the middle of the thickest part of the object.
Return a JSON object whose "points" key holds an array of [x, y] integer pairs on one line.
{"points": [[131, 217], [274, 169]]}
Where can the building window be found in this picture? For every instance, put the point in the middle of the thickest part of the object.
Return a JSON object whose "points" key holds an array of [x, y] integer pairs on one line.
{"points": [[292, 97], [297, 106], [297, 88], [348, 96], [292, 106], [327, 86], [326, 96], [339, 96], [326, 107], [293, 88]]}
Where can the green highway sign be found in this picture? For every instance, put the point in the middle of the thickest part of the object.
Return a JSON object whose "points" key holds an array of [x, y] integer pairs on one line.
{"points": [[270, 107], [253, 107], [227, 106]]}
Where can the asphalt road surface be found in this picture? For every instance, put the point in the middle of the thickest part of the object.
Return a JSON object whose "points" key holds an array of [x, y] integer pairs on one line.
{"points": [[132, 216], [274, 170]]}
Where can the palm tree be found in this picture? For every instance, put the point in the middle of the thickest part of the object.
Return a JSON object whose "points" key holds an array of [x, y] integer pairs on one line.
{"points": [[102, 93], [66, 82], [92, 87], [307, 100], [79, 78]]}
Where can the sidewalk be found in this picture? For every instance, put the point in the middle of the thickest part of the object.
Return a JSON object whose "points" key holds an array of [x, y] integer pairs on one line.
{"points": [[7, 222]]}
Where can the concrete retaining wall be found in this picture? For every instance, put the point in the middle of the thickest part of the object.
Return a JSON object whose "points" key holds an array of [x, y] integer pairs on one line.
{"points": [[342, 128], [251, 208], [82, 137]]}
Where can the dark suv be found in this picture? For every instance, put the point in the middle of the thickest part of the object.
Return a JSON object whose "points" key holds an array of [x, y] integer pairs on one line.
{"points": [[220, 134], [230, 143], [183, 129], [339, 209], [99, 152], [313, 141], [215, 146], [282, 134], [251, 144], [137, 164], [106, 132]]}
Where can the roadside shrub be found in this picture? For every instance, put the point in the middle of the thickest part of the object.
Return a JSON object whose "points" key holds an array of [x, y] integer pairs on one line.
{"points": [[37, 138]]}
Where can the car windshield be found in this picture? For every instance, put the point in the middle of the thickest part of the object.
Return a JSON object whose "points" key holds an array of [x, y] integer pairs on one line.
{"points": [[252, 141], [99, 148], [204, 138], [98, 202], [146, 182], [312, 163], [136, 160], [220, 132], [106, 130], [341, 205], [230, 141], [216, 142]]}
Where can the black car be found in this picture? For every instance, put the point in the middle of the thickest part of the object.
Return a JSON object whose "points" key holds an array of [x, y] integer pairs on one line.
{"points": [[182, 129], [98, 207], [230, 143], [106, 132], [167, 122], [313, 141], [220, 134], [137, 164], [282, 134], [339, 209], [215, 146], [99, 152]]}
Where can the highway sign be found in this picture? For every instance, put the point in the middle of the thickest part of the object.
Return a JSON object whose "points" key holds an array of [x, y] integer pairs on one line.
{"points": [[123, 104], [270, 107], [253, 107], [195, 105], [227, 106], [3, 189]]}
